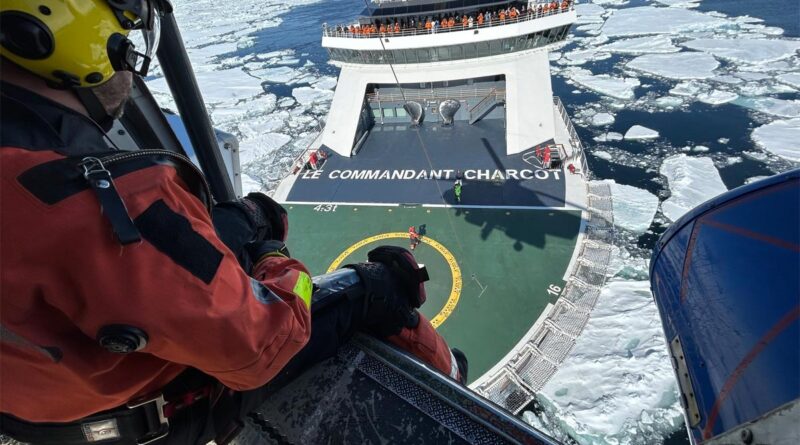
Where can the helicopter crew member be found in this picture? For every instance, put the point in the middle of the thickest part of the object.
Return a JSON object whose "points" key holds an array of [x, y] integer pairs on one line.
{"points": [[122, 281]]}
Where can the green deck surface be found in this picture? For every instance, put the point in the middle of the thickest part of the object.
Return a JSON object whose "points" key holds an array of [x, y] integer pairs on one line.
{"points": [[507, 260]]}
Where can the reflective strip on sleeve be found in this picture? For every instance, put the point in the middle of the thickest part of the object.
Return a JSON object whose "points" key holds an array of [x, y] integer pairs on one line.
{"points": [[303, 288], [262, 293]]}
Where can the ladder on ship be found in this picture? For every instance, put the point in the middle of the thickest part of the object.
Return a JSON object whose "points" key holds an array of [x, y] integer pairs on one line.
{"points": [[487, 104]]}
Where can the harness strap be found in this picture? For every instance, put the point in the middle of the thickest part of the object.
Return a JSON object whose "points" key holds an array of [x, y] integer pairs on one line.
{"points": [[140, 422]]}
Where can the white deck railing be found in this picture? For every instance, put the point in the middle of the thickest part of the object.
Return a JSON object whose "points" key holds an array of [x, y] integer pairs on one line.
{"points": [[339, 31], [574, 139], [437, 94]]}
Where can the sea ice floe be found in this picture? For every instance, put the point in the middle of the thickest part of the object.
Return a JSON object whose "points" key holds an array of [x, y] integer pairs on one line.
{"points": [[654, 20], [781, 138], [632, 392], [312, 95], [669, 102], [250, 184], [634, 208], [326, 83], [227, 116], [751, 76], [641, 45], [261, 145], [229, 85], [750, 51], [692, 181], [589, 13], [717, 97], [616, 87], [580, 57], [771, 105], [700, 148], [680, 3], [684, 65], [602, 119], [791, 79], [640, 132], [603, 155], [727, 79], [280, 74], [608, 137]]}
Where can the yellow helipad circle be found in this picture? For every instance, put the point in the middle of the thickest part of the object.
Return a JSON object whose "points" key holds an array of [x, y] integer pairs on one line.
{"points": [[455, 290]]}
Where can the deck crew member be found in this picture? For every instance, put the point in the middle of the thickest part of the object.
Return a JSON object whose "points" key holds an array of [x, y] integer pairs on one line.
{"points": [[143, 286], [413, 237], [457, 190]]}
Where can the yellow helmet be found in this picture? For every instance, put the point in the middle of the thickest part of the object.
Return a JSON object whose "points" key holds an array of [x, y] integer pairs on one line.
{"points": [[78, 43]]}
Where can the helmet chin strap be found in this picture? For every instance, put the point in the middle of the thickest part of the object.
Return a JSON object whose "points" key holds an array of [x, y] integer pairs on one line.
{"points": [[97, 112]]}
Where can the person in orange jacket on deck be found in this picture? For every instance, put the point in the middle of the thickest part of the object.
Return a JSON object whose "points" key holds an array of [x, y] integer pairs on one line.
{"points": [[480, 19], [428, 25], [146, 289], [451, 22], [502, 15]]}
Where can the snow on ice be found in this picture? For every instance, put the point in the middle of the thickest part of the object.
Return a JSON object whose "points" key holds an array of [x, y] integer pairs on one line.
{"points": [[692, 181], [746, 50], [589, 13], [312, 95], [602, 119], [632, 392], [605, 137], [641, 45], [780, 137], [791, 79], [653, 20], [717, 97], [685, 65], [640, 132], [603, 155], [616, 87]]}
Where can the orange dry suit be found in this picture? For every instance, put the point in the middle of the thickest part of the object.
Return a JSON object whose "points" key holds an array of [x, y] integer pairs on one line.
{"points": [[135, 249]]}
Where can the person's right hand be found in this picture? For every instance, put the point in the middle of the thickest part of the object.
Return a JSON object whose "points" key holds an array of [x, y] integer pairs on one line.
{"points": [[394, 289]]}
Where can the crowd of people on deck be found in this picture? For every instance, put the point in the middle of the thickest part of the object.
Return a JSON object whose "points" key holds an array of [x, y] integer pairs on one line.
{"points": [[455, 21]]}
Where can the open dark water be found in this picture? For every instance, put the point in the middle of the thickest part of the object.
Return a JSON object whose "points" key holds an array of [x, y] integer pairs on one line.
{"points": [[700, 124]]}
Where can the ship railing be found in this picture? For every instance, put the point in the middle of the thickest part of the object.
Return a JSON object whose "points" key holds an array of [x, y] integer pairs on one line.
{"points": [[437, 94], [339, 31], [299, 163], [574, 139]]}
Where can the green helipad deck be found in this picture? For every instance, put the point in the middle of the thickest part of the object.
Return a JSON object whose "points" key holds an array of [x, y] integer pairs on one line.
{"points": [[491, 268]]}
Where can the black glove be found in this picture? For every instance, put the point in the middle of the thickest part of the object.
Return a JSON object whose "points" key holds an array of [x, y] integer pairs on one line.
{"points": [[267, 218], [393, 290]]}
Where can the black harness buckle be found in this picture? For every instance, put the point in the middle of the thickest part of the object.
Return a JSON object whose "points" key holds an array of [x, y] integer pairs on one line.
{"points": [[157, 419]]}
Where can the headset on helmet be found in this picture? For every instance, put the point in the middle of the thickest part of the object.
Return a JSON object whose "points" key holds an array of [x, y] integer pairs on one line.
{"points": [[79, 43]]}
